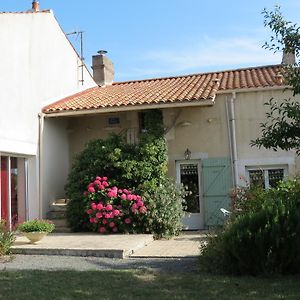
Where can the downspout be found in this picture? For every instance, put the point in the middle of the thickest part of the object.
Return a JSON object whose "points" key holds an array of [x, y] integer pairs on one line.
{"points": [[40, 150], [232, 137]]}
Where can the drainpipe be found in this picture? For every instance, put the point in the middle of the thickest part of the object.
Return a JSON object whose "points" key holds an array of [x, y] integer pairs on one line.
{"points": [[232, 137], [40, 150]]}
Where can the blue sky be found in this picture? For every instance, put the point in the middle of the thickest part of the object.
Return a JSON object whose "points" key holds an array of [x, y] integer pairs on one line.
{"points": [[157, 38]]}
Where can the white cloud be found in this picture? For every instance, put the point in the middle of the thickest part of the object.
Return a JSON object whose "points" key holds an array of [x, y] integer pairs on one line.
{"points": [[207, 54]]}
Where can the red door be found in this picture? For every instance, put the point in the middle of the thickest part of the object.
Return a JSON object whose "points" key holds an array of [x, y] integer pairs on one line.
{"points": [[4, 188]]}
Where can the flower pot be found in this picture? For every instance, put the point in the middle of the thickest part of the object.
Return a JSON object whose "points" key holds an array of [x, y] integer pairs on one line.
{"points": [[35, 237]]}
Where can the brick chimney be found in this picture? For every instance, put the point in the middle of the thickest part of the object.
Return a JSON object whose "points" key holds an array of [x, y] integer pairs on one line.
{"points": [[103, 69], [288, 56], [35, 6]]}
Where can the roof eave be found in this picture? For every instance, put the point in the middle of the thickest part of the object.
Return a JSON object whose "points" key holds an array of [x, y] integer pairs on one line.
{"points": [[102, 110]]}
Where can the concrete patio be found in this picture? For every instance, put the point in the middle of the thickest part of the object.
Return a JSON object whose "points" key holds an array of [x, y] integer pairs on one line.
{"points": [[114, 246]]}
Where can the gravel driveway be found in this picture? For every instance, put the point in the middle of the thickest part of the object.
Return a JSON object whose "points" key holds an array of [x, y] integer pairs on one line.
{"points": [[53, 262]]}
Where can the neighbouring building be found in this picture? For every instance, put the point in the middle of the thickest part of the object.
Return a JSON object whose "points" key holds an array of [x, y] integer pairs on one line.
{"points": [[38, 66]]}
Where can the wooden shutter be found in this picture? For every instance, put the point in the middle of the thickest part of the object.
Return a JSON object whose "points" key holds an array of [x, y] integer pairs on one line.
{"points": [[216, 182]]}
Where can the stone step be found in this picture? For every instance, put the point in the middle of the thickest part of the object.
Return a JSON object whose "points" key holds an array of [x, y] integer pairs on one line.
{"points": [[60, 223], [61, 201], [58, 207], [56, 215], [62, 229]]}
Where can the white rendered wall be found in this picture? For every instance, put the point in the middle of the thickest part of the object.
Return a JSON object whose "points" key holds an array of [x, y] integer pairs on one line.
{"points": [[38, 66]]}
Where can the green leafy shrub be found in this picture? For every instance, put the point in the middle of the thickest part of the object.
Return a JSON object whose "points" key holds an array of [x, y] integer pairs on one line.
{"points": [[137, 167], [165, 208], [7, 239], [36, 226], [262, 241]]}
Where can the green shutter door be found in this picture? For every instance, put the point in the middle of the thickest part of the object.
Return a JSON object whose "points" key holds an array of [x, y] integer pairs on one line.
{"points": [[216, 180]]}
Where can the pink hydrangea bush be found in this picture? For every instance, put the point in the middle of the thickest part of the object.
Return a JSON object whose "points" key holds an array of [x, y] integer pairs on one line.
{"points": [[113, 210]]}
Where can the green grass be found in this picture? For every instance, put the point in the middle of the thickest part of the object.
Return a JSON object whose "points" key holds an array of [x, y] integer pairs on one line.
{"points": [[142, 285]]}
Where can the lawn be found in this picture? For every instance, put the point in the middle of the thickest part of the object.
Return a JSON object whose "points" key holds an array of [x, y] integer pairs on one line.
{"points": [[142, 285]]}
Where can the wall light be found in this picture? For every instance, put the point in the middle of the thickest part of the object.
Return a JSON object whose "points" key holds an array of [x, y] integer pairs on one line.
{"points": [[187, 154]]}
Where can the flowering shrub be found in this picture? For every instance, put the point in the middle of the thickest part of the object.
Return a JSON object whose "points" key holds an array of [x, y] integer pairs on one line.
{"points": [[111, 209]]}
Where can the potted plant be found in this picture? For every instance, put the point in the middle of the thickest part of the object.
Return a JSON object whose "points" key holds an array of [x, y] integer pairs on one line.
{"points": [[36, 229]]}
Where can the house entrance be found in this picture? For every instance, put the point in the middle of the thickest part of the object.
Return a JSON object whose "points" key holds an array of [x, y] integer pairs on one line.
{"points": [[188, 174], [13, 190]]}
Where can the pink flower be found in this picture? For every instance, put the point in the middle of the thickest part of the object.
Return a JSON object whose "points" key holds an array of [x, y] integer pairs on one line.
{"points": [[112, 194], [140, 203], [104, 222], [109, 216], [98, 178], [89, 211], [91, 189], [92, 220], [138, 198], [108, 207], [134, 206], [134, 197], [134, 210], [129, 197], [104, 178], [104, 183], [98, 215], [116, 212], [123, 197], [125, 191], [102, 229], [120, 191], [127, 221], [101, 187], [143, 209], [115, 229], [111, 224], [99, 206], [91, 184], [97, 182], [93, 206]]}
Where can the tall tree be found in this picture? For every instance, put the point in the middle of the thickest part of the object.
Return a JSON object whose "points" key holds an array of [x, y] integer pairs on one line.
{"points": [[282, 128]]}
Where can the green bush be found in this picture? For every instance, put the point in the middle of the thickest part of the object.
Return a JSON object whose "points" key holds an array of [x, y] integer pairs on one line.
{"points": [[7, 239], [262, 241], [165, 208], [36, 226], [141, 167]]}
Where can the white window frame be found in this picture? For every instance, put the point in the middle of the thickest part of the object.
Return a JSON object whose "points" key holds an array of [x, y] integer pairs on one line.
{"points": [[265, 169]]}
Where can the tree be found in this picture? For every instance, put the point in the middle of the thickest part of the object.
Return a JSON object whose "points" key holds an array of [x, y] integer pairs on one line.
{"points": [[282, 128]]}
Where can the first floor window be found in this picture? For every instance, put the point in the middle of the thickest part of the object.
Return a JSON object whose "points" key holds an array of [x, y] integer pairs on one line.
{"points": [[266, 177]]}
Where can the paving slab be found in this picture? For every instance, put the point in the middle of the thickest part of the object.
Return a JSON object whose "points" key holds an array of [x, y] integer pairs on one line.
{"points": [[83, 244], [187, 244]]}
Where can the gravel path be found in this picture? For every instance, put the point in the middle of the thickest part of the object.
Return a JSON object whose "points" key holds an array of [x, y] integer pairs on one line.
{"points": [[53, 262]]}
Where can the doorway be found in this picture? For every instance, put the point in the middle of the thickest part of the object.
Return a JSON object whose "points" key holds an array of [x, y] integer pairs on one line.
{"points": [[13, 172], [189, 175]]}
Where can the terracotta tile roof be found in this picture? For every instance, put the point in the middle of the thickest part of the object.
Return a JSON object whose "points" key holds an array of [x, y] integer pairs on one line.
{"points": [[189, 88]]}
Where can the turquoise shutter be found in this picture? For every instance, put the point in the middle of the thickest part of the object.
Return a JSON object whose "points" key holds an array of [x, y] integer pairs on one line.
{"points": [[216, 183]]}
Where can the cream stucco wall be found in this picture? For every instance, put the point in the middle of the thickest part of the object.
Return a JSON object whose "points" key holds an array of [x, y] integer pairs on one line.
{"points": [[204, 130], [250, 112], [38, 66]]}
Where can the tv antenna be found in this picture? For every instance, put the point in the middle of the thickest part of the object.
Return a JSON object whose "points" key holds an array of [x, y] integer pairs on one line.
{"points": [[80, 35]]}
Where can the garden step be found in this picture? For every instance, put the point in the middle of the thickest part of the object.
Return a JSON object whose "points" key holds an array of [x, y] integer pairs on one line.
{"points": [[61, 201], [62, 229], [58, 207], [56, 215], [60, 223]]}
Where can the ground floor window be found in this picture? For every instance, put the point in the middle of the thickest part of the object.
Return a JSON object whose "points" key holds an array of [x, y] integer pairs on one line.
{"points": [[266, 176], [13, 189]]}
